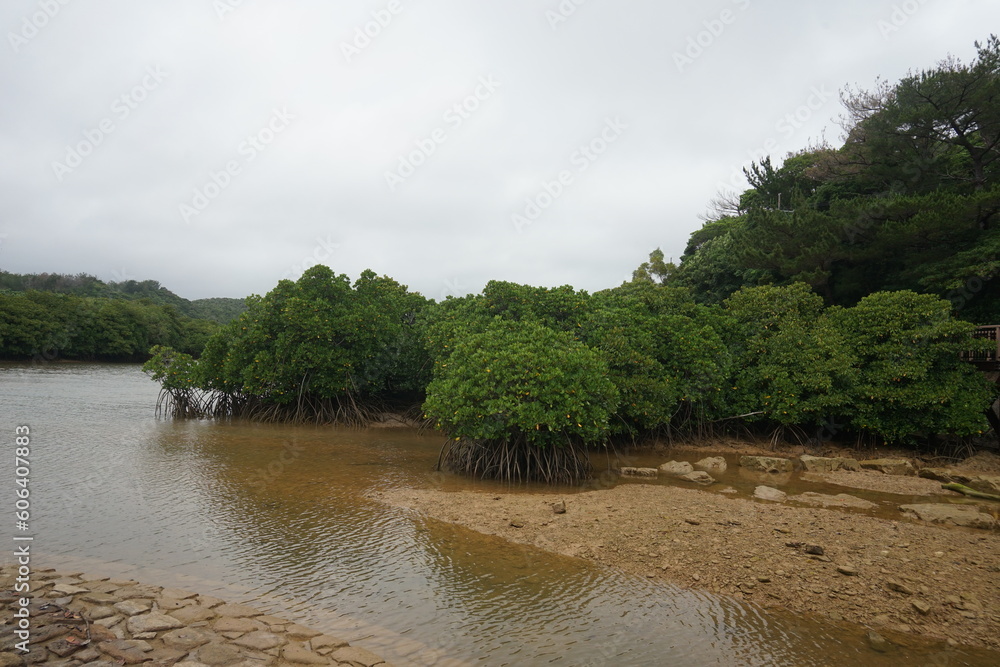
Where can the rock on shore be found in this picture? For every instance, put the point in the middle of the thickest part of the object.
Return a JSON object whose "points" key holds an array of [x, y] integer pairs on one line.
{"points": [[99, 622]]}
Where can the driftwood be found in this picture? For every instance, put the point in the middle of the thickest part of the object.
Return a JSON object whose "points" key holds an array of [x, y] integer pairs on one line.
{"points": [[972, 493]]}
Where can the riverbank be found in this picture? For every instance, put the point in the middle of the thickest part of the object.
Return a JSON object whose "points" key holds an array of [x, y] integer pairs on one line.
{"points": [[897, 576], [78, 619]]}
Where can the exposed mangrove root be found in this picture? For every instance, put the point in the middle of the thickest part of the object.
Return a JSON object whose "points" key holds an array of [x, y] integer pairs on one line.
{"points": [[517, 461], [195, 404]]}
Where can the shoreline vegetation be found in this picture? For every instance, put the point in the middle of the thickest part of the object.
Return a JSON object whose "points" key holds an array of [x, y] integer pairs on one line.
{"points": [[832, 300]]}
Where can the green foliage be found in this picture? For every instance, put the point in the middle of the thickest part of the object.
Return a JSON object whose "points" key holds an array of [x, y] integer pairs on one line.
{"points": [[220, 310], [664, 354], [911, 201], [320, 338], [49, 325], [520, 380], [911, 381], [793, 367]]}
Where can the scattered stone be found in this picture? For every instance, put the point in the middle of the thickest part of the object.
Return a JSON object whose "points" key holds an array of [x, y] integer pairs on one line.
{"points": [[123, 651], [676, 468], [138, 591], [356, 656], [728, 489], [237, 611], [163, 657], [69, 589], [839, 500], [299, 654], [824, 464], [11, 660], [517, 523], [100, 598], [177, 594], [237, 625], [894, 585], [193, 613], [62, 648], [218, 654], [769, 493], [814, 550], [958, 515], [638, 472], [296, 631], [877, 642], [764, 579], [326, 641], [944, 475], [889, 466], [187, 638], [99, 612], [152, 622], [771, 464], [260, 641], [847, 570], [712, 464], [559, 507], [693, 522], [170, 604], [921, 606], [133, 607], [209, 601], [698, 477]]}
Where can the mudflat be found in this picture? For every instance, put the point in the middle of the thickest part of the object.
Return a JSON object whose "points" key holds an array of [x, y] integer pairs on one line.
{"points": [[895, 575]]}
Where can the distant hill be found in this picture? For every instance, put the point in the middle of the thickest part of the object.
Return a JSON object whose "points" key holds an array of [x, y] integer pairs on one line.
{"points": [[220, 309]]}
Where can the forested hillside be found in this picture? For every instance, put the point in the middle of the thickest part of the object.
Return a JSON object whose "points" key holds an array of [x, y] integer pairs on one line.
{"points": [[910, 201], [220, 310], [54, 316]]}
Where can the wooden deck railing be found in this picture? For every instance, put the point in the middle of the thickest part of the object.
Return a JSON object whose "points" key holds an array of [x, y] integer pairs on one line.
{"points": [[988, 358]]}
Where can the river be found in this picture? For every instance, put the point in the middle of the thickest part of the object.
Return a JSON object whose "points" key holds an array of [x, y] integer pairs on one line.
{"points": [[278, 516]]}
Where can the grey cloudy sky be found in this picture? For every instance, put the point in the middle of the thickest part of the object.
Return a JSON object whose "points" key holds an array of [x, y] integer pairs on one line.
{"points": [[219, 146]]}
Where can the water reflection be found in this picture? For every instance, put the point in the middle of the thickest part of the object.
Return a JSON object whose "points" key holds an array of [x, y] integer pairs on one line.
{"points": [[279, 516]]}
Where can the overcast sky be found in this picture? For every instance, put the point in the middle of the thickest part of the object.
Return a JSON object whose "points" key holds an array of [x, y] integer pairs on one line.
{"points": [[218, 147]]}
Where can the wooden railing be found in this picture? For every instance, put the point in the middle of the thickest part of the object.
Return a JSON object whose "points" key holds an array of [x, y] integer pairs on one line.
{"points": [[990, 358]]}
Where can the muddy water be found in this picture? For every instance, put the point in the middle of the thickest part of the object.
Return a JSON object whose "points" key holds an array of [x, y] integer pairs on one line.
{"points": [[278, 516]]}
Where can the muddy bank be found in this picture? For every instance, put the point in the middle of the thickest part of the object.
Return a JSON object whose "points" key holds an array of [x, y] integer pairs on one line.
{"points": [[895, 575]]}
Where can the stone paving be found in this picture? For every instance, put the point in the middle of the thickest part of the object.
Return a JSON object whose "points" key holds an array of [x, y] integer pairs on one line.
{"points": [[99, 622]]}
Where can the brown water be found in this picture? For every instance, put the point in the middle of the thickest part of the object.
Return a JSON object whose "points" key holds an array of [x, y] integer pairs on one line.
{"points": [[278, 516]]}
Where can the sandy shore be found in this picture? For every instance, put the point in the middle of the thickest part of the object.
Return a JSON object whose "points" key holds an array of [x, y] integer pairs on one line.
{"points": [[893, 575]]}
